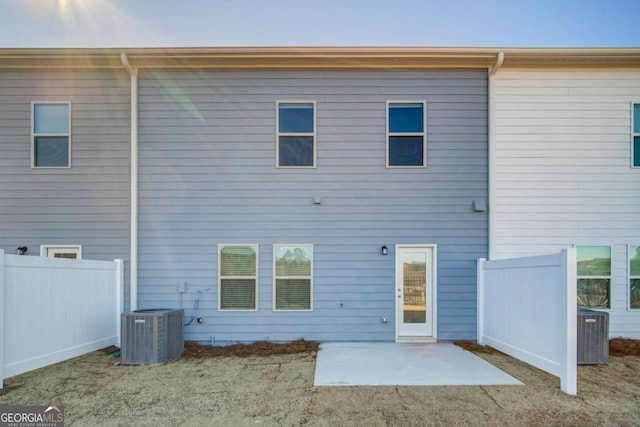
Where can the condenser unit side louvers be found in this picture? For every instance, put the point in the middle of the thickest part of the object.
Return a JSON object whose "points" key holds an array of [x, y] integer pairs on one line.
{"points": [[593, 337], [152, 337]]}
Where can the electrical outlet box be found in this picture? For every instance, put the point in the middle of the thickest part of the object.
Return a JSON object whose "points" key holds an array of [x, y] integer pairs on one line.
{"points": [[182, 287]]}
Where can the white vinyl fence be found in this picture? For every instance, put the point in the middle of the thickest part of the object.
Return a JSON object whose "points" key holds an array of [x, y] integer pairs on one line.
{"points": [[55, 309], [527, 309]]}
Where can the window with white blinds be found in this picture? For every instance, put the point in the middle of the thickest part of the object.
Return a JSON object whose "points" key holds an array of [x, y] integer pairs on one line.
{"points": [[238, 277], [634, 277], [293, 277]]}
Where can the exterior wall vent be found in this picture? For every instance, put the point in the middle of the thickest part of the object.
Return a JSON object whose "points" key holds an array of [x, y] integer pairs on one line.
{"points": [[593, 337], [152, 336]]}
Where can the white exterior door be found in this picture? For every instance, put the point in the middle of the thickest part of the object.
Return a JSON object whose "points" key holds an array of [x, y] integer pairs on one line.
{"points": [[415, 293]]}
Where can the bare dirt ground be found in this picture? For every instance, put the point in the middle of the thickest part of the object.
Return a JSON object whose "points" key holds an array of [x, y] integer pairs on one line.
{"points": [[268, 385]]}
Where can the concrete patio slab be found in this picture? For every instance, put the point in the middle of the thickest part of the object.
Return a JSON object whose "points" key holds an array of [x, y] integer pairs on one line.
{"points": [[372, 364]]}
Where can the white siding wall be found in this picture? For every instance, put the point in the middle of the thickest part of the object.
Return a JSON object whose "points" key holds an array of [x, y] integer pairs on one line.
{"points": [[561, 170]]}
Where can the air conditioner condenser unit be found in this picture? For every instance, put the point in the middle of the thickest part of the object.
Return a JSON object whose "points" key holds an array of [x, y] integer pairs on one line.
{"points": [[593, 337], [152, 337]]}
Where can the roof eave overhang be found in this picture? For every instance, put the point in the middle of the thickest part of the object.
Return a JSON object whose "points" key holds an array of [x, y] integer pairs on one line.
{"points": [[249, 58], [572, 58], [318, 58], [321, 58]]}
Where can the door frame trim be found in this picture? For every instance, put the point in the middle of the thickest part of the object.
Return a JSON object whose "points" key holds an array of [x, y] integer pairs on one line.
{"points": [[77, 249], [434, 292]]}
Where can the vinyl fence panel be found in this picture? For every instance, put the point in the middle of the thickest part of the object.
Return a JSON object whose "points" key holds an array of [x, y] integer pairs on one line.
{"points": [[55, 309], [527, 309]]}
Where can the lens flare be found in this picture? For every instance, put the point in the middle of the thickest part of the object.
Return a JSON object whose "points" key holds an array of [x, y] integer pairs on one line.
{"points": [[88, 23]]}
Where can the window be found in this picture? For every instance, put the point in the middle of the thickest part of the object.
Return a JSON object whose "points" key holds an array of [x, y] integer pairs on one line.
{"points": [[61, 251], [635, 136], [238, 277], [293, 277], [51, 136], [406, 135], [594, 276], [296, 130], [634, 276]]}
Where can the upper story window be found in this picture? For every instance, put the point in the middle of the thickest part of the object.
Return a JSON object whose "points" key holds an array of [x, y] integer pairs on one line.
{"points": [[594, 276], [51, 134], [635, 136], [634, 276], [237, 277], [406, 134], [296, 134]]}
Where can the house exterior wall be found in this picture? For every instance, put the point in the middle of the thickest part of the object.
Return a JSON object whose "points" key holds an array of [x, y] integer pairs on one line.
{"points": [[561, 170], [208, 176], [87, 204]]}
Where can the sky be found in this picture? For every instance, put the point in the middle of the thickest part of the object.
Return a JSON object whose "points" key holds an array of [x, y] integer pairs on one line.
{"points": [[210, 23]]}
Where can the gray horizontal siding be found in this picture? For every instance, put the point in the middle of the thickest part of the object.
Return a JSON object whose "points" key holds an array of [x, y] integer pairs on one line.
{"points": [[208, 176], [88, 204]]}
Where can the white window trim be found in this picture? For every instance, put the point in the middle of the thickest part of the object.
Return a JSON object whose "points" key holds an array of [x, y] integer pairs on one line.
{"points": [[423, 134], [312, 134], [633, 133], [77, 249], [34, 135], [610, 276], [310, 277], [629, 277], [220, 277]]}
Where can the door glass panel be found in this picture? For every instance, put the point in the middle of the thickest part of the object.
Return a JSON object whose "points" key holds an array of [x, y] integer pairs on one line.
{"points": [[65, 255], [415, 283]]}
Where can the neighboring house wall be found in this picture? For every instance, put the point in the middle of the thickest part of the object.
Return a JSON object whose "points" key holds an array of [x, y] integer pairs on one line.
{"points": [[561, 170], [208, 176], [87, 204]]}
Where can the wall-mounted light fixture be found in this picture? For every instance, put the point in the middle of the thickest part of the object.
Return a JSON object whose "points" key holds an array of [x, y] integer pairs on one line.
{"points": [[384, 250], [21, 250]]}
